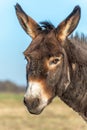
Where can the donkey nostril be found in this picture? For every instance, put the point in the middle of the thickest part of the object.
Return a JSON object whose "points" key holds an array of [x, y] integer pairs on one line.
{"points": [[25, 102], [35, 103], [31, 103]]}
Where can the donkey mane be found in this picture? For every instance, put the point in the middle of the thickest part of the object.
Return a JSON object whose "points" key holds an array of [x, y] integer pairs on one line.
{"points": [[77, 50]]}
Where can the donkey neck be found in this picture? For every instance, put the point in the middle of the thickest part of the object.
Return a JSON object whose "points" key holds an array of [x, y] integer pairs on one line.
{"points": [[76, 52], [76, 94]]}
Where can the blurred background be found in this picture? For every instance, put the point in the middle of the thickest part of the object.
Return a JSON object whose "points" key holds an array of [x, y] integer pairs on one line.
{"points": [[13, 41]]}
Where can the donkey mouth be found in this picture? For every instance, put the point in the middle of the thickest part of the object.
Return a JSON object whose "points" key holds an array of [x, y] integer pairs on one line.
{"points": [[35, 112], [38, 110]]}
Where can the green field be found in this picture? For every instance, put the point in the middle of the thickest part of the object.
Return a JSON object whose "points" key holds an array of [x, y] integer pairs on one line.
{"points": [[57, 116]]}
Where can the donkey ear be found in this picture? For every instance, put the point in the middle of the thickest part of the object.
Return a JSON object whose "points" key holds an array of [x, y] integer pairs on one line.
{"points": [[69, 24], [27, 23]]}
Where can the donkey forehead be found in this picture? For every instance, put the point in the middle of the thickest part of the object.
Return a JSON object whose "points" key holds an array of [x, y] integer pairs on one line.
{"points": [[43, 45]]}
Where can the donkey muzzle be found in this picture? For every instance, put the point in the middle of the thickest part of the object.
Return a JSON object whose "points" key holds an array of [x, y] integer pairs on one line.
{"points": [[32, 105]]}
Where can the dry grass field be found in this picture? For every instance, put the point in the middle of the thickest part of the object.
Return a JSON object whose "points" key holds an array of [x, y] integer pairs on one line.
{"points": [[57, 116]]}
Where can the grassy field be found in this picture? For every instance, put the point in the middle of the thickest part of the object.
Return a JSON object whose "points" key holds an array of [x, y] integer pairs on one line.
{"points": [[57, 116]]}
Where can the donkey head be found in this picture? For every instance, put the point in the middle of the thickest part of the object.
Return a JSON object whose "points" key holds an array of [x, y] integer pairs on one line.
{"points": [[47, 67]]}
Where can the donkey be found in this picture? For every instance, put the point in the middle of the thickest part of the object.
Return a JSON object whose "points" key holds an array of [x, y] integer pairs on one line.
{"points": [[56, 65]]}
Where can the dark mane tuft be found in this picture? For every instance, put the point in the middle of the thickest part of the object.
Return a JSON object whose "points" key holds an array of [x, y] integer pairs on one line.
{"points": [[47, 26]]}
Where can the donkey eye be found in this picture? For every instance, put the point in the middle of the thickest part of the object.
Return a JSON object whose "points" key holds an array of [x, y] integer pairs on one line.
{"points": [[54, 61]]}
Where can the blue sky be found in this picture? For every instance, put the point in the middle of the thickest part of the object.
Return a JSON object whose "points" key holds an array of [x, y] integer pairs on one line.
{"points": [[13, 40]]}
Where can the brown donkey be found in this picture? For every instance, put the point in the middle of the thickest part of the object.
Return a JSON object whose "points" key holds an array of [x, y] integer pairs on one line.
{"points": [[56, 66]]}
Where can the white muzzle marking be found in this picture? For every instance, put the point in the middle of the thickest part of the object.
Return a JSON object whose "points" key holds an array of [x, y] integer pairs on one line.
{"points": [[33, 89]]}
